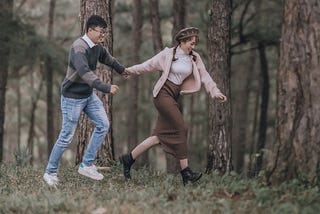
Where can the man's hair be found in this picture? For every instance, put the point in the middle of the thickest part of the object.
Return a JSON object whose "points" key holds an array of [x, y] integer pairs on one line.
{"points": [[95, 21]]}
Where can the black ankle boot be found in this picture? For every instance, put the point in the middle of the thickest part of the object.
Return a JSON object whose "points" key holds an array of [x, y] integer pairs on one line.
{"points": [[127, 161], [188, 175]]}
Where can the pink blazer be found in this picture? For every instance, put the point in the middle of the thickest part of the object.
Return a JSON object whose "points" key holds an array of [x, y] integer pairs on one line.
{"points": [[162, 62]]}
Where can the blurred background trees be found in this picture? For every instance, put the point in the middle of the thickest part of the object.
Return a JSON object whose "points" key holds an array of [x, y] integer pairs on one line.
{"points": [[36, 36]]}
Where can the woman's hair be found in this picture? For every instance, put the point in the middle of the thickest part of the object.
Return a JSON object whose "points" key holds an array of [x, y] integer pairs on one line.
{"points": [[95, 21], [186, 33], [194, 57]]}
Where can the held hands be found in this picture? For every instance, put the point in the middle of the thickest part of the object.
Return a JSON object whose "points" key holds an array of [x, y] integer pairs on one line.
{"points": [[125, 74], [114, 89]]}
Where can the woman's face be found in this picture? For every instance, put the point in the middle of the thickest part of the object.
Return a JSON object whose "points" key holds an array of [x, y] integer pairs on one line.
{"points": [[189, 45]]}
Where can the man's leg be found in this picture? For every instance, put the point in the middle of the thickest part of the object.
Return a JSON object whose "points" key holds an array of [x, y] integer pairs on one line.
{"points": [[71, 110], [96, 112]]}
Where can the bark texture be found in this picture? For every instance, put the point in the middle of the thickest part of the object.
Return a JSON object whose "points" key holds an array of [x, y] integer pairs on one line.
{"points": [[179, 22], [133, 84], [49, 84], [219, 154], [5, 20], [106, 153], [298, 107], [156, 27]]}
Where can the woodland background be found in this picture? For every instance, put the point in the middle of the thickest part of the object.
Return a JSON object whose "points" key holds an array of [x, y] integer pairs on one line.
{"points": [[273, 107]]}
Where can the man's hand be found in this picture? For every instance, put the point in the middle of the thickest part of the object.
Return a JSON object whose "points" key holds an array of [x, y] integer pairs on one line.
{"points": [[126, 74], [114, 89]]}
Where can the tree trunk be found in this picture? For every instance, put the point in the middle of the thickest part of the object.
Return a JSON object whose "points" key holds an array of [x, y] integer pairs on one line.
{"points": [[106, 153], [241, 92], [263, 124], [49, 84], [297, 147], [34, 99], [19, 120], [252, 147], [219, 156], [180, 8], [156, 27], [5, 20], [134, 83], [241, 145], [179, 22], [156, 155]]}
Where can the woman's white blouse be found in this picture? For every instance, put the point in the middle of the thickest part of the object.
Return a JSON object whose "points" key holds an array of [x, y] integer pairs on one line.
{"points": [[180, 68]]}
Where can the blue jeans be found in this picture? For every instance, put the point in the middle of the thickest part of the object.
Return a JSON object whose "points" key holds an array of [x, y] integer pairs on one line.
{"points": [[71, 110]]}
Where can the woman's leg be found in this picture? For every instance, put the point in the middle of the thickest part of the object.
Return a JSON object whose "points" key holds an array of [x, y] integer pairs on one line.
{"points": [[183, 163], [128, 159], [187, 174], [144, 146]]}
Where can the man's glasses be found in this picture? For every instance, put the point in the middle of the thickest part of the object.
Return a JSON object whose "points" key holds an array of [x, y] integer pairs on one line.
{"points": [[101, 32]]}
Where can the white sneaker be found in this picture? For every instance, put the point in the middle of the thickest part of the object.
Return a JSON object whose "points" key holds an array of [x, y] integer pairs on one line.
{"points": [[90, 171], [51, 179]]}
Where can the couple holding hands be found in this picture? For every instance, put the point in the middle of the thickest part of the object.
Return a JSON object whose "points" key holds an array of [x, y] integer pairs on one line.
{"points": [[182, 72]]}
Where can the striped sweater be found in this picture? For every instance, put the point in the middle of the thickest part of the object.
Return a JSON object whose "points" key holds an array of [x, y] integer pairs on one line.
{"points": [[81, 75]]}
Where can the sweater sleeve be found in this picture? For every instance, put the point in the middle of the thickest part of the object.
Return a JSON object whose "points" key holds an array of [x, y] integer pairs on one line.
{"points": [[150, 65], [207, 81], [107, 59], [80, 62]]}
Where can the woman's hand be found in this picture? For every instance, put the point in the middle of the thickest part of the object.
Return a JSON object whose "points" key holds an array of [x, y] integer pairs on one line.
{"points": [[221, 97], [126, 74]]}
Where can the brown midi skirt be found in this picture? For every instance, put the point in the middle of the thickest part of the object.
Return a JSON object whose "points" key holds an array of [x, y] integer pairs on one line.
{"points": [[170, 127]]}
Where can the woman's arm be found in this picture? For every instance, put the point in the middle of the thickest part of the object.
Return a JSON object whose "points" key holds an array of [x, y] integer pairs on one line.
{"points": [[209, 84], [152, 64]]}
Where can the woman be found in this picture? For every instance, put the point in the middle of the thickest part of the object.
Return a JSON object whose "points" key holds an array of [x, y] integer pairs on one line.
{"points": [[182, 73]]}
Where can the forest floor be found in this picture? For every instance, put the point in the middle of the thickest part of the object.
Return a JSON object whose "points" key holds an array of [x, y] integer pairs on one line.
{"points": [[22, 190]]}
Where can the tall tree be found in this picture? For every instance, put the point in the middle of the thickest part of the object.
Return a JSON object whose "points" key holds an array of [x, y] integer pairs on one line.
{"points": [[106, 153], [241, 82], [34, 102], [180, 8], [219, 154], [49, 84], [155, 25], [297, 147], [179, 22], [264, 68], [134, 83], [242, 79], [155, 155], [6, 7]]}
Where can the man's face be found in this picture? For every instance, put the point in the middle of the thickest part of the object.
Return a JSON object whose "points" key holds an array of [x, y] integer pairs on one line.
{"points": [[97, 34]]}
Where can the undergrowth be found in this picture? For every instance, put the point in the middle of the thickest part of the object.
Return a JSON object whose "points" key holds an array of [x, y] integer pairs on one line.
{"points": [[22, 190]]}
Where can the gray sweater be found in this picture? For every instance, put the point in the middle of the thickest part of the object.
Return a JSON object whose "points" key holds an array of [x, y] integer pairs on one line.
{"points": [[81, 75]]}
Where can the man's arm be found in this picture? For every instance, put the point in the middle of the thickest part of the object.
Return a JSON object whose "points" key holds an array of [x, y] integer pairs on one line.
{"points": [[107, 59], [80, 63]]}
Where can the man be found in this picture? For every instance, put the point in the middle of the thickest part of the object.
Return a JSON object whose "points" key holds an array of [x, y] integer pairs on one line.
{"points": [[77, 96]]}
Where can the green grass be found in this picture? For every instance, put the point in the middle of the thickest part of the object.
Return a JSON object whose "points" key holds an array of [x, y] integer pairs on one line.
{"points": [[22, 190]]}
